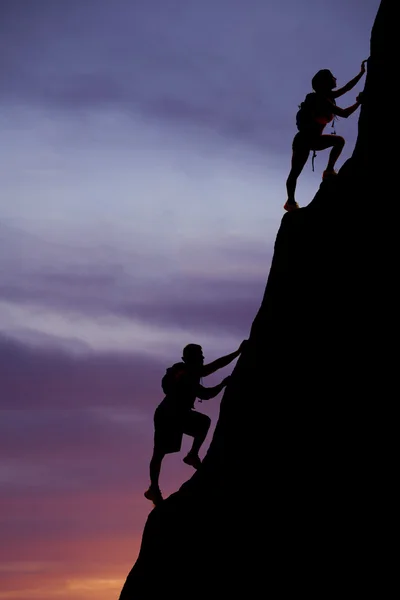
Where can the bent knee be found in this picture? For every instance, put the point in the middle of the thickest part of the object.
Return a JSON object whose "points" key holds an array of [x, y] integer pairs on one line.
{"points": [[339, 140]]}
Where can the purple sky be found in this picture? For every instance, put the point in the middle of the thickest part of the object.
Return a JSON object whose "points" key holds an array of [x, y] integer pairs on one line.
{"points": [[143, 156]]}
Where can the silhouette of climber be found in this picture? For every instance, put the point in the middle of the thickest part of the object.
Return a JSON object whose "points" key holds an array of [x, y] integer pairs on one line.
{"points": [[176, 416], [318, 109]]}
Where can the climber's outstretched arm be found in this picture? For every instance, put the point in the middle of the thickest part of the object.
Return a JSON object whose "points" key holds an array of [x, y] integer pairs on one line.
{"points": [[349, 86], [222, 362], [345, 112]]}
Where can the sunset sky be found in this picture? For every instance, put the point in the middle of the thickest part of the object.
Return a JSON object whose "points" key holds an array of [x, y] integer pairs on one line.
{"points": [[144, 148]]}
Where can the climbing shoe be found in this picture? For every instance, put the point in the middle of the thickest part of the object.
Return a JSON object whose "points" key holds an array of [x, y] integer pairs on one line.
{"points": [[193, 460], [330, 173], [154, 494], [289, 206]]}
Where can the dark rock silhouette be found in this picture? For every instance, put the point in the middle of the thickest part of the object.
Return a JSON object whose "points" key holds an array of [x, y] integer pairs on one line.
{"points": [[296, 493]]}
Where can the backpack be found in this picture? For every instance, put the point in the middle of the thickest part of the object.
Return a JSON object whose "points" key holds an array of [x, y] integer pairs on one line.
{"points": [[305, 114], [171, 378], [305, 117]]}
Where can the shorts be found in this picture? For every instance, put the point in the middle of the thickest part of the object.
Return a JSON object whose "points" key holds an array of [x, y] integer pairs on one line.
{"points": [[306, 139], [170, 425]]}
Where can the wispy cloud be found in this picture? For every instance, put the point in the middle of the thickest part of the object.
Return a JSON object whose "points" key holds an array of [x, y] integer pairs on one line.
{"points": [[212, 64]]}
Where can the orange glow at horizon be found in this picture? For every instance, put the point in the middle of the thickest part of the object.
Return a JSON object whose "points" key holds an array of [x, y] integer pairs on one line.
{"points": [[82, 589], [84, 570]]}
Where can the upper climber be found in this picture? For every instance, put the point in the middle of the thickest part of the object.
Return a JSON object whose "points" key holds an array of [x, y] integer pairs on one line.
{"points": [[318, 109]]}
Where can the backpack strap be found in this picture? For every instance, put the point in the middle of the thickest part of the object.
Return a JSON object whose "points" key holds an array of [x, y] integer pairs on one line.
{"points": [[312, 159]]}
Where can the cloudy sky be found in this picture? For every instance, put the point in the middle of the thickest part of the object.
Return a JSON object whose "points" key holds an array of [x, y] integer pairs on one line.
{"points": [[144, 147]]}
